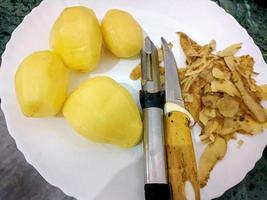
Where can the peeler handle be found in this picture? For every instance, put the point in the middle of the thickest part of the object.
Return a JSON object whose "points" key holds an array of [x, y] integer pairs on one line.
{"points": [[157, 191]]}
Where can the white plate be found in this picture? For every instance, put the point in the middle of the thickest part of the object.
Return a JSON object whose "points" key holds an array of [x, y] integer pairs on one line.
{"points": [[88, 170]]}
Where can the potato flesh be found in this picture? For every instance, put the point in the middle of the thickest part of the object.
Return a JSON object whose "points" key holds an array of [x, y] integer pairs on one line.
{"points": [[103, 111], [41, 83], [122, 34], [77, 38]]}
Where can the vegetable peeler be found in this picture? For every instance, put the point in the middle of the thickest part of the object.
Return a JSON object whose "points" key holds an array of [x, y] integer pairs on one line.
{"points": [[182, 168], [152, 102]]}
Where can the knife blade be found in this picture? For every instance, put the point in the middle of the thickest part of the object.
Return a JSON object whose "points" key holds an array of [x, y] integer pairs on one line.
{"points": [[182, 168]]}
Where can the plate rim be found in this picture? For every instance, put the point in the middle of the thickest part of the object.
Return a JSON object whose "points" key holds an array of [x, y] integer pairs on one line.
{"points": [[257, 154]]}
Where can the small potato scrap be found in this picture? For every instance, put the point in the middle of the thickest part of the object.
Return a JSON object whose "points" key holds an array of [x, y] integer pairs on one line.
{"points": [[190, 47], [229, 51], [210, 100], [227, 106], [240, 143], [136, 72], [245, 66], [212, 153], [188, 82], [203, 138], [213, 126], [188, 97], [205, 115], [255, 107], [242, 124], [209, 112], [217, 73], [194, 107], [211, 130], [230, 126], [224, 86], [207, 49], [262, 92], [250, 126], [206, 75]]}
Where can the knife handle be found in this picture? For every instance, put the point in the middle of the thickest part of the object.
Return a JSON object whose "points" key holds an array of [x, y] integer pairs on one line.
{"points": [[182, 168], [156, 191]]}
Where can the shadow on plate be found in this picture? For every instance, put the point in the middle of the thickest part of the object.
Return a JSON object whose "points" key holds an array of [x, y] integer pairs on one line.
{"points": [[107, 62], [126, 184], [134, 92]]}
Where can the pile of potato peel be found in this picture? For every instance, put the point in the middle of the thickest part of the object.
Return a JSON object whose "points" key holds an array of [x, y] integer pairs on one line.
{"points": [[221, 94]]}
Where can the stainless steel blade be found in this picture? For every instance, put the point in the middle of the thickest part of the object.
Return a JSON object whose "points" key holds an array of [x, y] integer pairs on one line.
{"points": [[150, 67], [173, 91]]}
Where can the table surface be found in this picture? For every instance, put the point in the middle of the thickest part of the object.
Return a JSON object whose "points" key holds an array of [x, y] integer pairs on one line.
{"points": [[19, 180]]}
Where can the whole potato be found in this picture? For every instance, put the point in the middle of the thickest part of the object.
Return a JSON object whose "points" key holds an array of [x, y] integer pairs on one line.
{"points": [[122, 34], [103, 111], [41, 84], [76, 37]]}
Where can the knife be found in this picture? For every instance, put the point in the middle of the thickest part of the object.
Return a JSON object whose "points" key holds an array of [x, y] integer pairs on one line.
{"points": [[182, 168], [152, 102]]}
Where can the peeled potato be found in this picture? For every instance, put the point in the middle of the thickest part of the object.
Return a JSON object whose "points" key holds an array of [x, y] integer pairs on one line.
{"points": [[41, 83], [103, 111], [77, 38], [122, 34]]}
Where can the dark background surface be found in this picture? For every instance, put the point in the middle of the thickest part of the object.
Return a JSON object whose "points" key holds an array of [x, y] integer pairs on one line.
{"points": [[20, 181]]}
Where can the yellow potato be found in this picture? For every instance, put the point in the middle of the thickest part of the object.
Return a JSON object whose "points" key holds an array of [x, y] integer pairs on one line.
{"points": [[103, 111], [122, 34], [41, 83], [77, 38]]}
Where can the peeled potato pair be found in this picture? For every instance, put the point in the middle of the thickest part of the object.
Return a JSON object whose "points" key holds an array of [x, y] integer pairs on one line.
{"points": [[76, 36], [99, 109]]}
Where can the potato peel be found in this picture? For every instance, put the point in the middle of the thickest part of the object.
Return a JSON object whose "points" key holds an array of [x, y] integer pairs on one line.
{"points": [[136, 72], [210, 100], [228, 88], [227, 106], [212, 153], [262, 91], [225, 86], [255, 107], [229, 51], [217, 73]]}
